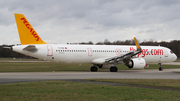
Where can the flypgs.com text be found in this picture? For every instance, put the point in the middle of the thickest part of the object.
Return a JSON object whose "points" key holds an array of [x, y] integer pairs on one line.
{"points": [[148, 52]]}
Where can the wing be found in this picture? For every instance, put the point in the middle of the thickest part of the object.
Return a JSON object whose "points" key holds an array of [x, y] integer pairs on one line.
{"points": [[125, 57], [115, 60]]}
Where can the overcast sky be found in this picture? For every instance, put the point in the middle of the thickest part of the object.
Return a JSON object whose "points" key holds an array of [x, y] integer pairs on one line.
{"points": [[62, 21]]}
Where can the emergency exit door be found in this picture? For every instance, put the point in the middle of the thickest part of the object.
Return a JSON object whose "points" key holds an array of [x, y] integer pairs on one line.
{"points": [[49, 50]]}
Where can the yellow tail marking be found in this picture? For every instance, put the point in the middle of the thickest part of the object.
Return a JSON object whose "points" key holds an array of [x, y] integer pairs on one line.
{"points": [[27, 34], [137, 45]]}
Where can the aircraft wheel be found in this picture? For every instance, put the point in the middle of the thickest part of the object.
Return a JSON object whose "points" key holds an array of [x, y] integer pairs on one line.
{"points": [[113, 69], [94, 69], [160, 69]]}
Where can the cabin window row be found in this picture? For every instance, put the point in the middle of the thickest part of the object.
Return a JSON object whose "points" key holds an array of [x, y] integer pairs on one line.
{"points": [[70, 50], [89, 50], [104, 51]]}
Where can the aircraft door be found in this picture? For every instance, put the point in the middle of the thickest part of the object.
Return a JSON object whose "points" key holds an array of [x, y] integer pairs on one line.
{"points": [[50, 52], [165, 52], [90, 52], [119, 51]]}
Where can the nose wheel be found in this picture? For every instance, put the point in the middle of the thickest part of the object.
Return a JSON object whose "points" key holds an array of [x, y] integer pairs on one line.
{"points": [[160, 67]]}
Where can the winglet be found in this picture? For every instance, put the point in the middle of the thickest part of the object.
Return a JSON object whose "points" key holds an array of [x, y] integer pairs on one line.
{"points": [[137, 44], [27, 34]]}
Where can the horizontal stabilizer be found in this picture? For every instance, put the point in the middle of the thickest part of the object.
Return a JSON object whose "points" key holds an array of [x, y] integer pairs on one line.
{"points": [[7, 47], [31, 48]]}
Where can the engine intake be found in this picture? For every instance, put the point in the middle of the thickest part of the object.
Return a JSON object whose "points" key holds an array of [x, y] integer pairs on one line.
{"points": [[137, 63]]}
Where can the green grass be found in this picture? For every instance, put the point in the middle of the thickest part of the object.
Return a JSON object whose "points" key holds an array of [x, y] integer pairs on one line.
{"points": [[178, 60], [73, 91], [171, 83], [41, 67], [155, 66], [51, 66]]}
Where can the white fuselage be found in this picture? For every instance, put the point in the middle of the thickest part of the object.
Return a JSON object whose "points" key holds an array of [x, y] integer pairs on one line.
{"points": [[86, 53]]}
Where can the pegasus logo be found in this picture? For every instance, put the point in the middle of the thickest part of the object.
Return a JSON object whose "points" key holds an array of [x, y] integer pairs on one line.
{"points": [[32, 31]]}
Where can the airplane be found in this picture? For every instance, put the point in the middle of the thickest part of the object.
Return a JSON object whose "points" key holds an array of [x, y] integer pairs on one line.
{"points": [[101, 56]]}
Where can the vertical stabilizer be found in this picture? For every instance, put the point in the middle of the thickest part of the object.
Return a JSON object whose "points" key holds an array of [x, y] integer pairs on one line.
{"points": [[27, 34]]}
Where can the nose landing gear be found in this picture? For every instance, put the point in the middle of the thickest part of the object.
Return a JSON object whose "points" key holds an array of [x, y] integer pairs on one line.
{"points": [[160, 67]]}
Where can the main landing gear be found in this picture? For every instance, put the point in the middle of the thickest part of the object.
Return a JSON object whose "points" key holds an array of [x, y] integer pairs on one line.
{"points": [[113, 69], [160, 68], [95, 69]]}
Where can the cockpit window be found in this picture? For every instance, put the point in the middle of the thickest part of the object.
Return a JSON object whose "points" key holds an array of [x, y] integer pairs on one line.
{"points": [[171, 52]]}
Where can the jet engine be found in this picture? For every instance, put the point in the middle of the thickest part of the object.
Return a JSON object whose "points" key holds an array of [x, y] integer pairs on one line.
{"points": [[136, 63]]}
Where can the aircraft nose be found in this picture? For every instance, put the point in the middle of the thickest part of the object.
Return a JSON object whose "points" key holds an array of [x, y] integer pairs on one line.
{"points": [[174, 57]]}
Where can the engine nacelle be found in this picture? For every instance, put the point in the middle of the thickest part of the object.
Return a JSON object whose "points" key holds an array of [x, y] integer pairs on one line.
{"points": [[137, 63]]}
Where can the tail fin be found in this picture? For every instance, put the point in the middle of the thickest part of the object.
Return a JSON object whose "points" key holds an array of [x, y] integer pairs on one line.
{"points": [[27, 34]]}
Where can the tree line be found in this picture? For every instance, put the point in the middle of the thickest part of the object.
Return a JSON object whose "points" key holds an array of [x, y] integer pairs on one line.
{"points": [[174, 45]]}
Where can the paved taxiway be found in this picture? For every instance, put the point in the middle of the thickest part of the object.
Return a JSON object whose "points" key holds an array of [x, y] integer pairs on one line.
{"points": [[121, 74]]}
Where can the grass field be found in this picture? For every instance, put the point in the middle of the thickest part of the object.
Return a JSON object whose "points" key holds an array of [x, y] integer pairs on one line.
{"points": [[146, 82], [73, 91], [51, 66]]}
